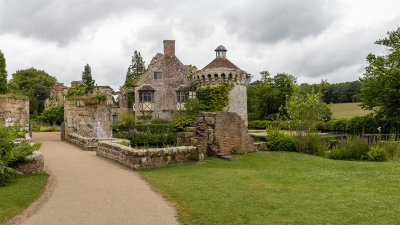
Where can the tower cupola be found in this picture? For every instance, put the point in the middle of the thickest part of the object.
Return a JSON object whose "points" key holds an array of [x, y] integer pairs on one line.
{"points": [[220, 52]]}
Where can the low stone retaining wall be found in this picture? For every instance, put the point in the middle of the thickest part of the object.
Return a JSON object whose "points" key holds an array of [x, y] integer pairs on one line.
{"points": [[35, 164], [135, 158], [260, 146], [87, 143]]}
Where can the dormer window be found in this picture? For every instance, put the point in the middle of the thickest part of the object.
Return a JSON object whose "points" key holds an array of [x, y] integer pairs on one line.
{"points": [[157, 75]]}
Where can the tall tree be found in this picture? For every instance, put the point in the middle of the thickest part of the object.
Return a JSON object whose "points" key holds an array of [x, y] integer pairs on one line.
{"points": [[381, 81], [135, 70], [87, 78], [3, 74], [264, 75], [33, 83]]}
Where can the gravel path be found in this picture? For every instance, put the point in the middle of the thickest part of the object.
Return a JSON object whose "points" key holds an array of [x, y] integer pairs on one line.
{"points": [[92, 190]]}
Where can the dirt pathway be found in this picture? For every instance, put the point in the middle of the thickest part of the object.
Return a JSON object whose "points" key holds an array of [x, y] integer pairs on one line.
{"points": [[92, 190]]}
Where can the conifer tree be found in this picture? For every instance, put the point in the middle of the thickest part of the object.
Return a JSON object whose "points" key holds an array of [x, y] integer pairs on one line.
{"points": [[3, 74], [87, 78], [136, 69]]}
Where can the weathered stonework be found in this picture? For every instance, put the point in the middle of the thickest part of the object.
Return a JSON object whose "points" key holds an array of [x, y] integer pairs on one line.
{"points": [[87, 117], [14, 111], [57, 93], [135, 158], [174, 77], [218, 133], [34, 164], [220, 71], [87, 143]]}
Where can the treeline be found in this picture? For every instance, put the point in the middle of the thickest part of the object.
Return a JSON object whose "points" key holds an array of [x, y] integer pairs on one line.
{"points": [[266, 98], [336, 93]]}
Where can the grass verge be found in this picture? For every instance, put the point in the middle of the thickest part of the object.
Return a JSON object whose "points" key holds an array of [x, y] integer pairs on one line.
{"points": [[19, 194], [281, 188]]}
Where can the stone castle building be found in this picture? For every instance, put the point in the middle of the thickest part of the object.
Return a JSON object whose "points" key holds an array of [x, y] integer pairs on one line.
{"points": [[167, 83], [164, 85], [221, 70]]}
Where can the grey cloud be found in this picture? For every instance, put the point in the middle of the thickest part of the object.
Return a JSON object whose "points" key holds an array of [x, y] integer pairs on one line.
{"points": [[272, 21], [58, 20]]}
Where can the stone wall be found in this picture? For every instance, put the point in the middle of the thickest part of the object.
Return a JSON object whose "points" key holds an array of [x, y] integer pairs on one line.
{"points": [[35, 164], [87, 117], [135, 158], [14, 111], [87, 143], [238, 101], [218, 133]]}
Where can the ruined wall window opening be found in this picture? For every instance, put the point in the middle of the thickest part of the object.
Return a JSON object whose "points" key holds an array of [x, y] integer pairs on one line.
{"points": [[157, 75], [146, 96], [181, 96]]}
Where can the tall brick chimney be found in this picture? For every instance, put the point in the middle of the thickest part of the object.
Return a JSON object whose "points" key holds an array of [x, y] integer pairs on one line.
{"points": [[169, 47]]}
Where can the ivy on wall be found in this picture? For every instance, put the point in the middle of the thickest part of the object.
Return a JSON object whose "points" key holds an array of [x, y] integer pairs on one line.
{"points": [[214, 99]]}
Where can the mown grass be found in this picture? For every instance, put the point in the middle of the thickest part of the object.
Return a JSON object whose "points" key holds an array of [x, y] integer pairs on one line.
{"points": [[281, 188], [347, 110], [19, 194]]}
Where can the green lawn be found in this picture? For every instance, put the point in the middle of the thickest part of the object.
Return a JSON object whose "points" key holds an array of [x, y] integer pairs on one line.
{"points": [[347, 110], [281, 188], [19, 194]]}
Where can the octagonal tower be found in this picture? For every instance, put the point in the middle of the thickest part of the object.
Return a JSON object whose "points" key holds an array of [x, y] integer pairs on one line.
{"points": [[221, 70]]}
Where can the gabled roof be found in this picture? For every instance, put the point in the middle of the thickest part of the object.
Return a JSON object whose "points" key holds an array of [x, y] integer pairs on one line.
{"points": [[220, 63]]}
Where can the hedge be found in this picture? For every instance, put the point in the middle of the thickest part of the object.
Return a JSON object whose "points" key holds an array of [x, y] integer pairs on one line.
{"points": [[362, 124], [263, 124]]}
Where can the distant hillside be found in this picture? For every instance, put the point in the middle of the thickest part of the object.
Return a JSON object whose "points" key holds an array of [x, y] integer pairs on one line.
{"points": [[347, 110]]}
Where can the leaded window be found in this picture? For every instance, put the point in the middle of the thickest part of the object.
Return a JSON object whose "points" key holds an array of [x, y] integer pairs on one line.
{"points": [[181, 96], [157, 75], [146, 96]]}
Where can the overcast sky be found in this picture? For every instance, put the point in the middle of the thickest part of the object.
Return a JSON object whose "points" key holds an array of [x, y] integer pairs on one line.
{"points": [[310, 39]]}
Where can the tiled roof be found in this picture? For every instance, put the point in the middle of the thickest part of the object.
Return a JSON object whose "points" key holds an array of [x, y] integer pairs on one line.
{"points": [[221, 62]]}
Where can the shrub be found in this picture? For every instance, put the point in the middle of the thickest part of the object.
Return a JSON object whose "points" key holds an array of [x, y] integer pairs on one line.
{"points": [[278, 141], [53, 115], [124, 143], [11, 153], [126, 119], [80, 90], [263, 124], [181, 122], [101, 96], [363, 124], [46, 129], [376, 153], [145, 117], [316, 145], [154, 128], [151, 140], [350, 149]]}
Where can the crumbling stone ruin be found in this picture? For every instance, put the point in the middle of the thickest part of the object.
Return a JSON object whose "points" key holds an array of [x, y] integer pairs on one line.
{"points": [[14, 111], [218, 134], [87, 116]]}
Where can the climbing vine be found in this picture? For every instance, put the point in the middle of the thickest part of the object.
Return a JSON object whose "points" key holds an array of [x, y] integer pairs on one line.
{"points": [[214, 99]]}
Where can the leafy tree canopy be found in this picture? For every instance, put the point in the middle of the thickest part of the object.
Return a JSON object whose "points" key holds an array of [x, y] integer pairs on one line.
{"points": [[305, 110], [3, 74], [381, 81], [32, 83], [192, 68], [135, 70]]}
